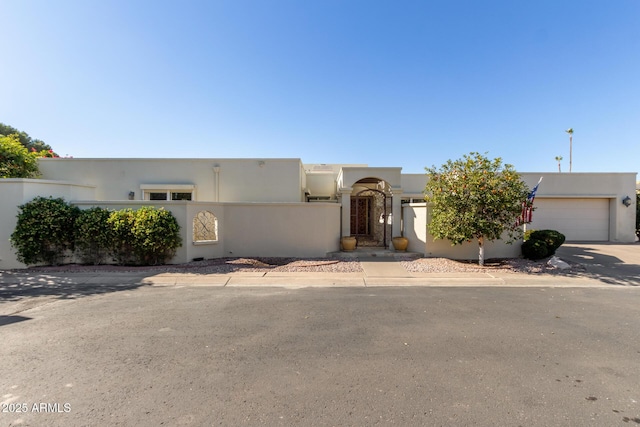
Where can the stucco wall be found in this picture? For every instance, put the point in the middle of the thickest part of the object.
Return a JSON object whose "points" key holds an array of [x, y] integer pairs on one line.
{"points": [[240, 180], [414, 219], [281, 229], [350, 175], [413, 184]]}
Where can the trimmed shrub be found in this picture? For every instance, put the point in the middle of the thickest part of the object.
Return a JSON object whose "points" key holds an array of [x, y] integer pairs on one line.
{"points": [[156, 235], [147, 236], [49, 229], [45, 231], [527, 235], [552, 238], [539, 244], [534, 249], [122, 243], [93, 235]]}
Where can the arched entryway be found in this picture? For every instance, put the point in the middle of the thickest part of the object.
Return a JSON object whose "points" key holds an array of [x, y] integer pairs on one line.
{"points": [[371, 217]]}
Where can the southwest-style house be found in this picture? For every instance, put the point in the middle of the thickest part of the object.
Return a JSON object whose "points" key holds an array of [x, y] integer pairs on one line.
{"points": [[282, 207]]}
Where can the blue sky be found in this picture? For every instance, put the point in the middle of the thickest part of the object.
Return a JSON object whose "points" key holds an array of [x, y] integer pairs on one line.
{"points": [[387, 83]]}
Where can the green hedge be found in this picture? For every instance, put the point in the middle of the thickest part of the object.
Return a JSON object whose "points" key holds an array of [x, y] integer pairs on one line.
{"points": [[541, 243], [93, 235], [534, 249], [44, 233], [48, 229], [552, 238], [122, 246], [147, 236]]}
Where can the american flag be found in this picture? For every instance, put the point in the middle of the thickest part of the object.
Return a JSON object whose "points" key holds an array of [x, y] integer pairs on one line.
{"points": [[527, 206]]}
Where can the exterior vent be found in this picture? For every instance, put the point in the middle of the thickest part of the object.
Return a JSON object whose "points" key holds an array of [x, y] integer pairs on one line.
{"points": [[322, 168]]}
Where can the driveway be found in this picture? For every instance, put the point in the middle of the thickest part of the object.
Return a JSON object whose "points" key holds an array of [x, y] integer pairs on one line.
{"points": [[612, 263]]}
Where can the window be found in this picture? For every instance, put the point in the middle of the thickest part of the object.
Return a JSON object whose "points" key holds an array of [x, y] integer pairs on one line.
{"points": [[205, 227], [180, 196], [168, 195], [319, 199], [157, 196], [168, 191], [406, 201]]}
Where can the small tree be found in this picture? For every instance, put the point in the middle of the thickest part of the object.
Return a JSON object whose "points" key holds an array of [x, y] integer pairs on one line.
{"points": [[475, 198]]}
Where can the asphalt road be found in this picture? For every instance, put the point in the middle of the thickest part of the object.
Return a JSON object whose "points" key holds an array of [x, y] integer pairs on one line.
{"points": [[351, 356]]}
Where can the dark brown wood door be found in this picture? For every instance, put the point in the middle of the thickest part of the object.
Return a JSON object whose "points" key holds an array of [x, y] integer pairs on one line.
{"points": [[361, 216]]}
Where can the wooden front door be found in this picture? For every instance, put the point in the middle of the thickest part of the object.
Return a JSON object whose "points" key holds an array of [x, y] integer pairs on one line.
{"points": [[361, 210]]}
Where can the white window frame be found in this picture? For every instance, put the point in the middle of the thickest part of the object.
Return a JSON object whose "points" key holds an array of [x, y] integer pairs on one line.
{"points": [[147, 189]]}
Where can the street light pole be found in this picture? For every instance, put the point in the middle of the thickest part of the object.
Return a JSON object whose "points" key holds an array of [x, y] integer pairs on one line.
{"points": [[570, 132]]}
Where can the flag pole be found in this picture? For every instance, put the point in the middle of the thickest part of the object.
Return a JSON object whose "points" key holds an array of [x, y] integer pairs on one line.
{"points": [[527, 210]]}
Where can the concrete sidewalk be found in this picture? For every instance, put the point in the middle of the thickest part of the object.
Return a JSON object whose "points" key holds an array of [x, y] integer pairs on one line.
{"points": [[20, 291], [374, 274], [605, 265]]}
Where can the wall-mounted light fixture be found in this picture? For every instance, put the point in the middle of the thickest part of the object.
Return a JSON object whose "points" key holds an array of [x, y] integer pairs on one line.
{"points": [[131, 195], [389, 219], [626, 201], [261, 163]]}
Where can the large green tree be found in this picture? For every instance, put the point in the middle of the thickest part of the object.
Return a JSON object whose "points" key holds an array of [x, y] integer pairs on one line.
{"points": [[15, 160], [475, 198], [24, 138]]}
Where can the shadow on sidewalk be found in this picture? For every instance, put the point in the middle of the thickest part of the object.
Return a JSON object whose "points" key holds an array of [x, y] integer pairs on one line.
{"points": [[16, 286]]}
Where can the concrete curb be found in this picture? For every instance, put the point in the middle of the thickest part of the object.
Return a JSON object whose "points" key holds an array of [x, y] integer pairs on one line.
{"points": [[299, 280]]}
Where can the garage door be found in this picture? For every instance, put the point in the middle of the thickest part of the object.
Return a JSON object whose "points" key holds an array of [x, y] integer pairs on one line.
{"points": [[577, 219]]}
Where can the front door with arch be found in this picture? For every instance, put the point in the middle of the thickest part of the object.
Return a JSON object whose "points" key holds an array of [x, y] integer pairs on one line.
{"points": [[370, 216]]}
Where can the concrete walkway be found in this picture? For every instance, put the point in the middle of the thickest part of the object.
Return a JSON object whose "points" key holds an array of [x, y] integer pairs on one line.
{"points": [[377, 267]]}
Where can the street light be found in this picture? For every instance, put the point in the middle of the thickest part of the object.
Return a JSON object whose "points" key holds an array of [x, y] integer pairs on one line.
{"points": [[570, 132]]}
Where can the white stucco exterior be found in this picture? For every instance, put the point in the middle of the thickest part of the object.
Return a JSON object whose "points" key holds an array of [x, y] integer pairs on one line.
{"points": [[229, 180], [282, 207]]}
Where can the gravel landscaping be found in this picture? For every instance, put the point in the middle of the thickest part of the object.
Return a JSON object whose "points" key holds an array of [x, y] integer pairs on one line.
{"points": [[320, 265]]}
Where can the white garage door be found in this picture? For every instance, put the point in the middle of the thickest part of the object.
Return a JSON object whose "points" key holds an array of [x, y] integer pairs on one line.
{"points": [[577, 219]]}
